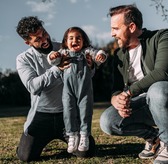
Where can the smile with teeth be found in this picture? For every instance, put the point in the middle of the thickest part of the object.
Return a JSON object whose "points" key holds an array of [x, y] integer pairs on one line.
{"points": [[45, 45], [74, 45]]}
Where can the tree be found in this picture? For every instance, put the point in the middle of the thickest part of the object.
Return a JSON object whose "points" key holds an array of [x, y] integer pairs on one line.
{"points": [[103, 78], [12, 91], [159, 5]]}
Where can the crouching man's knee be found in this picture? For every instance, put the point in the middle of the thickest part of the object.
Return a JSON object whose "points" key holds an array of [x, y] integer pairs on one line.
{"points": [[109, 122], [158, 93]]}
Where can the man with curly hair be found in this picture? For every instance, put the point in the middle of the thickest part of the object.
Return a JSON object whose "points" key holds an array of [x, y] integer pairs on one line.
{"points": [[45, 118]]}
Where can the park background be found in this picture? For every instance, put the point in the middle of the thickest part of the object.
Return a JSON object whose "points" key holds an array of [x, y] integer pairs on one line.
{"points": [[58, 15]]}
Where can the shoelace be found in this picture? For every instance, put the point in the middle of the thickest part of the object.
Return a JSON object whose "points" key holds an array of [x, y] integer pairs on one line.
{"points": [[153, 142], [71, 141], [83, 142]]}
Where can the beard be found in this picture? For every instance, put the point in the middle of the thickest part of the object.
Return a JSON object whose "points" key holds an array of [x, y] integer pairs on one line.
{"points": [[124, 43], [127, 40], [45, 50]]}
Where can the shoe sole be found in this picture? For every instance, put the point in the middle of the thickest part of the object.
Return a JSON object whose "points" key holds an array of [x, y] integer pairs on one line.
{"points": [[150, 157], [83, 149], [147, 157]]}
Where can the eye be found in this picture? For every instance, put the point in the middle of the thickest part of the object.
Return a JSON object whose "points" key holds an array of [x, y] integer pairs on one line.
{"points": [[37, 39], [70, 38], [78, 38]]}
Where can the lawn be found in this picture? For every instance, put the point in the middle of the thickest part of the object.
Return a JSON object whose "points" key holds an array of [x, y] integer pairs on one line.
{"points": [[109, 149]]}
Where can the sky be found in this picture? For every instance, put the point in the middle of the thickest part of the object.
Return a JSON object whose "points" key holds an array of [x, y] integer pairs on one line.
{"points": [[59, 15]]}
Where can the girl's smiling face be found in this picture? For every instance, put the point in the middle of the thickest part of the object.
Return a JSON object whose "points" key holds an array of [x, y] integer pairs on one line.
{"points": [[74, 41]]}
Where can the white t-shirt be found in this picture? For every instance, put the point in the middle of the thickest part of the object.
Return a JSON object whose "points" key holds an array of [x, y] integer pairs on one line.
{"points": [[135, 71]]}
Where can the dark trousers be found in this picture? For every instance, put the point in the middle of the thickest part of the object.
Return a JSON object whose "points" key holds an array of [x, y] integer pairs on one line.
{"points": [[44, 128]]}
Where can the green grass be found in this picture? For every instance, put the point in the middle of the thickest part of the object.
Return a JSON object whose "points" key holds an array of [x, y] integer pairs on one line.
{"points": [[109, 149]]}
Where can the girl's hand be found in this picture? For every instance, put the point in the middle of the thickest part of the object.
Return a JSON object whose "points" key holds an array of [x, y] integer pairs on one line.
{"points": [[100, 58], [54, 54]]}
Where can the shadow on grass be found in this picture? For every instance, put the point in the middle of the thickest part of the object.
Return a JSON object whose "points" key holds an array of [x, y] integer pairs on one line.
{"points": [[13, 111], [63, 154], [119, 150], [107, 151], [23, 111]]}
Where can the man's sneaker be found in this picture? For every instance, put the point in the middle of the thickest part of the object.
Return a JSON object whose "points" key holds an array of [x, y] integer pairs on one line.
{"points": [[162, 157], [73, 143], [151, 149], [84, 143]]}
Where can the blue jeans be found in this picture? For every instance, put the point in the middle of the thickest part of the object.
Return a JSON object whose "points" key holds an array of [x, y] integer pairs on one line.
{"points": [[78, 98], [148, 111]]}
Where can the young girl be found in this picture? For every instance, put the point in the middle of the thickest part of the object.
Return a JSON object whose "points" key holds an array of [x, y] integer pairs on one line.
{"points": [[77, 92]]}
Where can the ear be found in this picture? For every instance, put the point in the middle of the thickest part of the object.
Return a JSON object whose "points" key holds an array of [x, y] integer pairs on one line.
{"points": [[27, 42], [132, 27]]}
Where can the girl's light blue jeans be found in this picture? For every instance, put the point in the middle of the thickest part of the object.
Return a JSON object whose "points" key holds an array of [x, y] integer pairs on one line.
{"points": [[149, 113]]}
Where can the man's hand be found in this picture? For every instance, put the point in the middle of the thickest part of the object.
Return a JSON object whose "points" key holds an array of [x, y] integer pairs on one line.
{"points": [[65, 63], [89, 61], [122, 103]]}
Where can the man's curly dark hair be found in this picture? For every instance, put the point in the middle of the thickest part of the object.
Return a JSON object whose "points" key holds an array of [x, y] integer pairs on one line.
{"points": [[28, 25]]}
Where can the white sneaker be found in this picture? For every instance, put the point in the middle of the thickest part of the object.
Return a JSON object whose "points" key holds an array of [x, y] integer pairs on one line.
{"points": [[84, 143], [72, 143], [162, 157]]}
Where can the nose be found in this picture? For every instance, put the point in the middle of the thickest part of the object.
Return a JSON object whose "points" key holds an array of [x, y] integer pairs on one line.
{"points": [[113, 33], [44, 40], [75, 39]]}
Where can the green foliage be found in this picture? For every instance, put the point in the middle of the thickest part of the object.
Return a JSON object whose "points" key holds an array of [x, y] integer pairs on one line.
{"points": [[102, 81], [12, 91]]}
